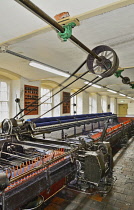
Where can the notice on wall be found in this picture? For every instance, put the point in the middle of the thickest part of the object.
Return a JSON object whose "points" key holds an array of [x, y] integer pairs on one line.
{"points": [[30, 100], [66, 103]]}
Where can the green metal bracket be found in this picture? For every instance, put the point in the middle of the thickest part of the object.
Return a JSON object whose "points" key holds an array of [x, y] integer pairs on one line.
{"points": [[67, 31], [132, 86], [118, 73]]}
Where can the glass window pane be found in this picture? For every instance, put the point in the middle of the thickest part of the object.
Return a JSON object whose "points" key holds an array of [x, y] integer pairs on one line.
{"points": [[4, 108], [47, 105]]}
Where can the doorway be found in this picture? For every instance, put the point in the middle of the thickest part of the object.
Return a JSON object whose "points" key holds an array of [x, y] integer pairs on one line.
{"points": [[122, 110]]}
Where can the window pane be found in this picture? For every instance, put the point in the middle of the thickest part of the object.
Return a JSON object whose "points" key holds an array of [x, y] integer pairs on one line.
{"points": [[47, 105], [46, 94], [73, 104], [4, 96], [4, 108]]}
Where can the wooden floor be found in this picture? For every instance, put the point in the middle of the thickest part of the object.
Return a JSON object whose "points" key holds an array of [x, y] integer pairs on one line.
{"points": [[121, 197]]}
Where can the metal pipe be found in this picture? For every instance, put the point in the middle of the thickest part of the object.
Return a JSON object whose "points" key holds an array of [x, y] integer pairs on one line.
{"points": [[3, 200], [21, 157], [42, 15]]}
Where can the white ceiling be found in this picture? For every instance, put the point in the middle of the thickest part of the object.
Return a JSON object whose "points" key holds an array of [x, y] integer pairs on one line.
{"points": [[114, 28]]}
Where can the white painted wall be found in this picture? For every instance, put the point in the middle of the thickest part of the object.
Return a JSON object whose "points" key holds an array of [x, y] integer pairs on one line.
{"points": [[85, 102], [55, 101], [99, 106], [80, 103], [14, 93], [130, 111], [104, 103], [113, 105], [73, 101], [95, 103]]}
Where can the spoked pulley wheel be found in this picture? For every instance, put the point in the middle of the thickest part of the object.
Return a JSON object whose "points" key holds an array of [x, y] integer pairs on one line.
{"points": [[108, 63], [7, 125]]}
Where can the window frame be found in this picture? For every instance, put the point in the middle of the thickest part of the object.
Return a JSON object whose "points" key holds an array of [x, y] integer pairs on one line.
{"points": [[6, 100], [49, 102]]}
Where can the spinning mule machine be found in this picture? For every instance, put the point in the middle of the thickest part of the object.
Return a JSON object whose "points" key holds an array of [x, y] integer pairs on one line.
{"points": [[32, 165]]}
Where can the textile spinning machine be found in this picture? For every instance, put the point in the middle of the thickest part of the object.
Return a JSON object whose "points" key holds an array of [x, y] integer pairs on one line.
{"points": [[32, 164]]}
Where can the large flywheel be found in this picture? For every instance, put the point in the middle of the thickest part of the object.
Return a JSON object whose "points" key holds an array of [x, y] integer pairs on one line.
{"points": [[108, 63]]}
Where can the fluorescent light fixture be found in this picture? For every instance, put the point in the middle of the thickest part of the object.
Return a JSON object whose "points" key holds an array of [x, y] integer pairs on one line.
{"points": [[112, 91], [99, 76], [97, 86], [48, 68], [94, 85], [129, 97], [88, 83], [121, 94]]}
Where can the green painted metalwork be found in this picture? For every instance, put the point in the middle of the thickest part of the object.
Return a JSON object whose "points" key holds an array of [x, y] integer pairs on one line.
{"points": [[67, 31], [132, 86], [118, 73]]}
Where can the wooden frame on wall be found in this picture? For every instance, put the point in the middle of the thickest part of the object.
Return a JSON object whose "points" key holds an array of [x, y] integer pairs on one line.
{"points": [[66, 104], [30, 95]]}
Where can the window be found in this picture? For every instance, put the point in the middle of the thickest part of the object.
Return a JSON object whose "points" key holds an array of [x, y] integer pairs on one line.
{"points": [[47, 105], [4, 100], [73, 104], [90, 104], [93, 103]]}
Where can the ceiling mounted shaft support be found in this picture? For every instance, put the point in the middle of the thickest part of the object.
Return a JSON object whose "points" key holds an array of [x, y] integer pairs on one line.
{"points": [[118, 73], [67, 31], [42, 15], [98, 55], [125, 80]]}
